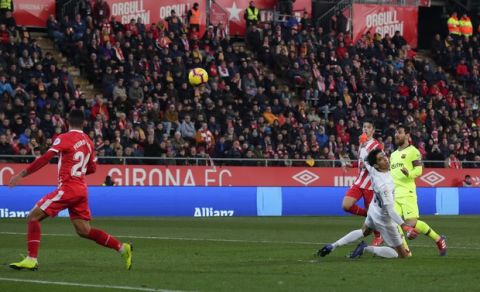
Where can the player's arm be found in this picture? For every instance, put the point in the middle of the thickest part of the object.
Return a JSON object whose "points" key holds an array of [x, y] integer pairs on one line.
{"points": [[416, 164], [387, 197], [411, 232], [92, 162], [371, 170], [33, 167]]}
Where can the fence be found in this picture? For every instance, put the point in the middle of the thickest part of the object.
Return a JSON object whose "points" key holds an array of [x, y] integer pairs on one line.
{"points": [[206, 160]]}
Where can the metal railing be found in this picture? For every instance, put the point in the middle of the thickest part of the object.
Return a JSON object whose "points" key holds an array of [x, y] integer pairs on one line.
{"points": [[324, 19], [69, 7], [210, 161], [388, 2]]}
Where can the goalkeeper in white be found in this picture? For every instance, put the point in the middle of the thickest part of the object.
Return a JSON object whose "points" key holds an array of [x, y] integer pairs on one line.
{"points": [[381, 215]]}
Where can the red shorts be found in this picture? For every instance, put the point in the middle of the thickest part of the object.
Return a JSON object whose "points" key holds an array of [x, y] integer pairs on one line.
{"points": [[73, 198], [358, 193]]}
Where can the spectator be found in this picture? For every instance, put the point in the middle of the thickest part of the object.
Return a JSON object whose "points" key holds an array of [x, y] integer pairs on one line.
{"points": [[100, 109], [108, 182], [194, 17], [5, 147], [101, 12], [453, 162], [251, 15], [467, 182], [174, 23]]}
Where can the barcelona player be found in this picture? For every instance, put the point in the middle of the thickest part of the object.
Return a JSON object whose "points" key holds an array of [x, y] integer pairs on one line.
{"points": [[405, 167]]}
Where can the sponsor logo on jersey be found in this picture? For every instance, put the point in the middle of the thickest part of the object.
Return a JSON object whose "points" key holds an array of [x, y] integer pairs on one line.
{"points": [[396, 165]]}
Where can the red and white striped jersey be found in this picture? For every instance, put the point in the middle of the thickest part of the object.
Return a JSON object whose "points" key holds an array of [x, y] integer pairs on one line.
{"points": [[363, 180]]}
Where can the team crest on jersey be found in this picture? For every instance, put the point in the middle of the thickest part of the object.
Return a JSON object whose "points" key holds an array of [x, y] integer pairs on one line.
{"points": [[56, 142], [404, 155]]}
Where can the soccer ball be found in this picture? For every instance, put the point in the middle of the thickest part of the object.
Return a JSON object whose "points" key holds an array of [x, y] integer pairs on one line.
{"points": [[197, 76]]}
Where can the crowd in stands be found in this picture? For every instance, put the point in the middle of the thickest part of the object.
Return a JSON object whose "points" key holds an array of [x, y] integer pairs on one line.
{"points": [[295, 92]]}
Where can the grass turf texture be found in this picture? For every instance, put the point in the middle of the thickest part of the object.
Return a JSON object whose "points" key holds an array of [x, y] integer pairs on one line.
{"points": [[244, 254]]}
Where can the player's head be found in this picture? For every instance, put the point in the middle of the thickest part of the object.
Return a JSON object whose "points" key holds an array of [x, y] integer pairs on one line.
{"points": [[75, 119], [378, 159], [402, 135], [368, 128]]}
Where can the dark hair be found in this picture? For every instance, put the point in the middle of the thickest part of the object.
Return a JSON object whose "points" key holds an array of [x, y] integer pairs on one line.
{"points": [[405, 128], [76, 118], [372, 156], [370, 121]]}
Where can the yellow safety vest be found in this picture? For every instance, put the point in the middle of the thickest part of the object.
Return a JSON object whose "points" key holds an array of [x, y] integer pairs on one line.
{"points": [[453, 26], [6, 4], [252, 14], [466, 27]]}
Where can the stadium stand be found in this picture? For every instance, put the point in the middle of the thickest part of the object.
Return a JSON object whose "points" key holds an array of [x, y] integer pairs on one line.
{"points": [[291, 90]]}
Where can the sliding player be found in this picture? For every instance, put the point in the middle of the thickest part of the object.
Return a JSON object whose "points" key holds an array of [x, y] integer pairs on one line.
{"points": [[381, 216]]}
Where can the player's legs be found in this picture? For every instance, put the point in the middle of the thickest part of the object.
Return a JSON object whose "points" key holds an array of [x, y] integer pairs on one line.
{"points": [[348, 238], [392, 238], [367, 199], [80, 217], [350, 200], [83, 229], [411, 216], [399, 208], [34, 218]]}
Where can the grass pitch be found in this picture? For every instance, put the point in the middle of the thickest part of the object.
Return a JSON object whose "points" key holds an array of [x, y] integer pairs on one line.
{"points": [[237, 254]]}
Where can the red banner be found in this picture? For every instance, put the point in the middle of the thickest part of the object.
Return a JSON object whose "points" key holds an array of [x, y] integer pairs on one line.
{"points": [[218, 14], [384, 19], [151, 11], [236, 10], [33, 12], [425, 3], [147, 175]]}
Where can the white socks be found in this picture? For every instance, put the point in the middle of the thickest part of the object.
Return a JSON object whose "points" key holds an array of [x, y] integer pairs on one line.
{"points": [[349, 238], [382, 251]]}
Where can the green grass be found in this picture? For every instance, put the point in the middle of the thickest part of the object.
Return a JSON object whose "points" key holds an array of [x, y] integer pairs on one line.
{"points": [[240, 254]]}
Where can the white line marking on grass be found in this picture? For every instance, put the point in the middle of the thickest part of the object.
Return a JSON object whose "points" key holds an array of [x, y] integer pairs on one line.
{"points": [[87, 285], [230, 240]]}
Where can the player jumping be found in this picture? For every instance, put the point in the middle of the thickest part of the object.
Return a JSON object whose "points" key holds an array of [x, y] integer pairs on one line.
{"points": [[381, 216], [76, 159], [406, 166], [362, 187]]}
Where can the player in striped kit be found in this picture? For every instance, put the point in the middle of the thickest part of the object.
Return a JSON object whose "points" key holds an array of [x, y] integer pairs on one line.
{"points": [[381, 216], [362, 187]]}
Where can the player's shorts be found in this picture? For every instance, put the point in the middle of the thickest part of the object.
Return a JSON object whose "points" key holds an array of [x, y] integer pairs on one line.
{"points": [[407, 207], [389, 230], [66, 197], [358, 193]]}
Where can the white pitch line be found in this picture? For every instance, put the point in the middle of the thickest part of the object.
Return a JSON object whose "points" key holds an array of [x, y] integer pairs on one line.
{"points": [[87, 285], [227, 240]]}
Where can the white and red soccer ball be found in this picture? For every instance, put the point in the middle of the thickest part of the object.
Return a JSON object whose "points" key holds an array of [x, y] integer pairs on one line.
{"points": [[197, 76]]}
